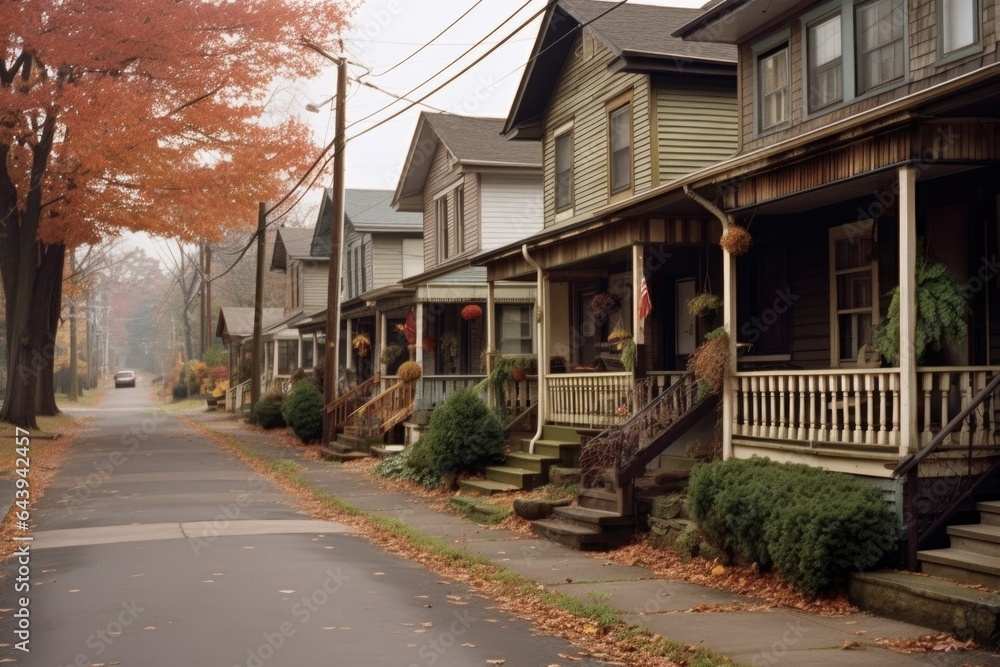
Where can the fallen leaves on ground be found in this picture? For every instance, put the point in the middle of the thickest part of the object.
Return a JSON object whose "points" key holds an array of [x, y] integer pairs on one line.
{"points": [[943, 643]]}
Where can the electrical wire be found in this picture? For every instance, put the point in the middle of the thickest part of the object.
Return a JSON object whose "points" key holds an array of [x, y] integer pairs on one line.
{"points": [[432, 39]]}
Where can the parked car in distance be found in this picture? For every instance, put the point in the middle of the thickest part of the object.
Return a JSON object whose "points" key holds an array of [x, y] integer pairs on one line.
{"points": [[124, 379]]}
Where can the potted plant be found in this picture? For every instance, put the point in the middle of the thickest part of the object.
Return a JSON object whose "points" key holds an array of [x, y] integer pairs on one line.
{"points": [[409, 371], [604, 304], [704, 304], [619, 334], [628, 354], [390, 353], [942, 309], [502, 372]]}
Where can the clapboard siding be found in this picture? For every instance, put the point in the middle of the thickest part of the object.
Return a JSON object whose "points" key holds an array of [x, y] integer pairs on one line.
{"points": [[511, 208], [315, 277], [925, 69], [581, 96], [386, 267], [442, 174], [697, 126]]}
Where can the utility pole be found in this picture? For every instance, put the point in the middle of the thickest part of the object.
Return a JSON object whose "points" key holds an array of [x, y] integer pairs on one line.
{"points": [[207, 278], [332, 358], [73, 386], [258, 308]]}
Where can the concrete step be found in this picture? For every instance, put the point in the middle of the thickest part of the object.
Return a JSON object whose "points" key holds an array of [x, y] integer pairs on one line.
{"points": [[977, 538], [484, 487], [989, 513], [929, 602], [341, 454], [599, 500], [386, 451], [591, 517], [518, 477], [961, 566], [568, 453], [571, 535], [536, 462], [563, 433]]}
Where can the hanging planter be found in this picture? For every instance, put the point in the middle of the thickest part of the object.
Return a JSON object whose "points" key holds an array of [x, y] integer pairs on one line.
{"points": [[704, 303], [604, 304], [619, 334], [471, 312], [736, 240], [362, 343], [409, 371]]}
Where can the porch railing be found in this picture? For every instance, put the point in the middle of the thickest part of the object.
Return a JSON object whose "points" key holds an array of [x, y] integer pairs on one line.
{"points": [[434, 389], [347, 402], [943, 476], [237, 396], [589, 399], [851, 406], [381, 413]]}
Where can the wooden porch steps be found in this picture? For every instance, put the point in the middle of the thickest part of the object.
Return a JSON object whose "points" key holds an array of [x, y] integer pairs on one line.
{"points": [[559, 446], [340, 452]]}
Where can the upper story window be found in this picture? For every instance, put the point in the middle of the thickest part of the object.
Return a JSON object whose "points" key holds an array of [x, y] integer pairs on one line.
{"points": [[958, 25], [772, 88], [564, 170], [459, 220], [879, 27], [441, 227], [620, 137], [825, 61]]}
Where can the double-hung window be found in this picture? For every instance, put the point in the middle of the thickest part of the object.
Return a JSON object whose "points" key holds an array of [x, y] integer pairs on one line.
{"points": [[826, 65], [564, 170], [772, 88], [441, 227], [879, 26], [459, 220], [620, 138], [853, 286], [515, 329]]}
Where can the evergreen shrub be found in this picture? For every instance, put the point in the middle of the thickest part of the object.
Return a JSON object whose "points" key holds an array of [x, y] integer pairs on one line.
{"points": [[814, 526], [411, 465], [266, 412], [464, 435], [302, 409]]}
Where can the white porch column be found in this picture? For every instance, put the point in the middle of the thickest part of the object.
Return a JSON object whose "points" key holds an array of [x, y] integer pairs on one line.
{"points": [[638, 275], [907, 310], [419, 357], [349, 323], [491, 327], [382, 336], [298, 351], [729, 322], [315, 344]]}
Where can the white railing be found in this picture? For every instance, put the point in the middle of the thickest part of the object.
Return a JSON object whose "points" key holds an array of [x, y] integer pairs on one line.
{"points": [[588, 399], [837, 406], [944, 392], [433, 389], [238, 396], [856, 407]]}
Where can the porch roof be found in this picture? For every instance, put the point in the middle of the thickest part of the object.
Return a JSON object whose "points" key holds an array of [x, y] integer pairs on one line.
{"points": [[237, 321]]}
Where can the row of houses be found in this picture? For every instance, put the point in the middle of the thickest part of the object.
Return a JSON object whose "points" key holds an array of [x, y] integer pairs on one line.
{"points": [[854, 141]]}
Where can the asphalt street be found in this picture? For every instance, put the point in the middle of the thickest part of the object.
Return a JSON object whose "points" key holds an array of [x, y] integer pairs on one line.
{"points": [[154, 546]]}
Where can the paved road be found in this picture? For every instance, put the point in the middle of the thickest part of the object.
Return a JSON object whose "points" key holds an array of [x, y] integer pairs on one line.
{"points": [[153, 547]]}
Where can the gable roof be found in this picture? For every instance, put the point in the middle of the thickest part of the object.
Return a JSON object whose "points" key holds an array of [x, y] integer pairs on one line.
{"points": [[237, 321], [639, 36], [730, 21], [368, 211], [291, 243], [474, 141]]}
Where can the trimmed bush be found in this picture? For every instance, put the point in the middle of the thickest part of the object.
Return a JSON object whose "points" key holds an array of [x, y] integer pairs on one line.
{"points": [[814, 526], [266, 412], [404, 466], [302, 409], [464, 435]]}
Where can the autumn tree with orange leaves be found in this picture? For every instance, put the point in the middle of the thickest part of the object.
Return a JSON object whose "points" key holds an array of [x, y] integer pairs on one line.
{"points": [[144, 115]]}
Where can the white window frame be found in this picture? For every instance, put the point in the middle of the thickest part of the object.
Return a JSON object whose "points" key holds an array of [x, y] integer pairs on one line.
{"points": [[763, 49], [525, 340], [813, 71], [459, 200], [621, 104], [561, 132], [855, 229], [441, 235]]}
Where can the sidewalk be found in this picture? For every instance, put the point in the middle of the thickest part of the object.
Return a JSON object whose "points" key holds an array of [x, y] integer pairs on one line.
{"points": [[758, 638]]}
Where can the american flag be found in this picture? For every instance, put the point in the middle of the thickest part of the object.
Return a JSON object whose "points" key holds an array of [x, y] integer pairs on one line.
{"points": [[645, 304]]}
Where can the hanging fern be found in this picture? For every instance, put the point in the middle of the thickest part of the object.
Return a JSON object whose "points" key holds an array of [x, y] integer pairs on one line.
{"points": [[942, 308]]}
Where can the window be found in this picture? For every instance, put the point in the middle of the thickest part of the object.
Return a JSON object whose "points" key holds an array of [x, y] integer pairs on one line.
{"points": [[459, 220], [288, 356], [307, 353], [878, 43], [441, 224], [853, 284], [564, 170], [826, 70], [515, 330], [958, 25], [772, 83], [621, 148]]}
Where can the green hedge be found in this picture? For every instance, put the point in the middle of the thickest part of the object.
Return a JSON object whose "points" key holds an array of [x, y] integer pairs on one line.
{"points": [[267, 412], [302, 409], [464, 435], [814, 526]]}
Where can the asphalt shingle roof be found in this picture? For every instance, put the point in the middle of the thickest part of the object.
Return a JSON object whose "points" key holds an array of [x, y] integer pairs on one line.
{"points": [[371, 211], [238, 320], [477, 139]]}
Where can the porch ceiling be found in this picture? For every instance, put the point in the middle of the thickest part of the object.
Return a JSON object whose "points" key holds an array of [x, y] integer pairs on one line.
{"points": [[869, 184]]}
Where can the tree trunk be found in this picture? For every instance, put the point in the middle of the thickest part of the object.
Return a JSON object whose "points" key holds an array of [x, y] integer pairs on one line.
{"points": [[45, 403]]}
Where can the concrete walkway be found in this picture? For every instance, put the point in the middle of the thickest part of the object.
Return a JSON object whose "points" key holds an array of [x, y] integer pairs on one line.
{"points": [[758, 638]]}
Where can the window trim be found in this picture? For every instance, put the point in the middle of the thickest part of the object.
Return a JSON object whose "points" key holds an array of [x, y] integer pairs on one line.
{"points": [[905, 39], [807, 76], [458, 196], [442, 242], [564, 130], [838, 233], [943, 57], [758, 50], [615, 105]]}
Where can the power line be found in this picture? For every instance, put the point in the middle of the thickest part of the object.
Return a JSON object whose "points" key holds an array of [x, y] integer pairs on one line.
{"points": [[431, 40]]}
